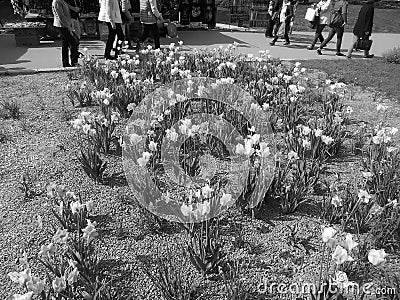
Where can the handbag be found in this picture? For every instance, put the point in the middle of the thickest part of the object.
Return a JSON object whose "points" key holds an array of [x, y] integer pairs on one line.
{"points": [[310, 14], [364, 44], [336, 18]]}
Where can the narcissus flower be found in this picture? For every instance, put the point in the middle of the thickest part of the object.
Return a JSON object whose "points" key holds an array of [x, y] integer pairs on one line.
{"points": [[90, 232], [59, 285], [328, 233], [26, 296], [364, 196], [377, 257], [349, 244], [61, 236], [336, 201], [225, 199], [340, 255]]}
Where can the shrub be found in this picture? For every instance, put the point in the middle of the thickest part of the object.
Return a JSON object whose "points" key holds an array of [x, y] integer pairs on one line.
{"points": [[393, 56], [11, 108]]}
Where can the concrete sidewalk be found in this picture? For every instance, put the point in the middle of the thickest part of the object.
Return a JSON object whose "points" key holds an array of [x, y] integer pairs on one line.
{"points": [[48, 55]]}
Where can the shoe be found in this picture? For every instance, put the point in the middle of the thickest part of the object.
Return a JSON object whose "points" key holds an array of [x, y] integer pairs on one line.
{"points": [[348, 56], [286, 43], [272, 43], [339, 54], [110, 58], [311, 47], [369, 56], [67, 66], [319, 51]]}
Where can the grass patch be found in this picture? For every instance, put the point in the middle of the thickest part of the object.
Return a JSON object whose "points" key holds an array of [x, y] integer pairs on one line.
{"points": [[368, 73]]}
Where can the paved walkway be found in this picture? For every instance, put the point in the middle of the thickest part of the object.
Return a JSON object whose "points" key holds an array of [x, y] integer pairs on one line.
{"points": [[48, 55]]}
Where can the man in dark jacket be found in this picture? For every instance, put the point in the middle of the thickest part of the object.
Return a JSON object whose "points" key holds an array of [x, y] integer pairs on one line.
{"points": [[273, 10], [363, 27]]}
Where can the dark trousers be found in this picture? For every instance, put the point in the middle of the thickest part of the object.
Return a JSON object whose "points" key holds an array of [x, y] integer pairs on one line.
{"points": [[69, 42], [339, 36], [153, 30], [285, 34], [272, 25], [318, 34], [111, 38]]}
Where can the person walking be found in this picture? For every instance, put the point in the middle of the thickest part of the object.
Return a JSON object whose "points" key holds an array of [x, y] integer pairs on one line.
{"points": [[63, 22], [273, 10], [149, 15], [322, 8], [285, 18], [338, 9], [363, 27], [127, 19], [111, 15]]}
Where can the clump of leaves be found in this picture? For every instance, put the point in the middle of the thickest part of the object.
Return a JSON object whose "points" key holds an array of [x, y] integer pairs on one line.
{"points": [[204, 246], [11, 108], [167, 274], [92, 164]]}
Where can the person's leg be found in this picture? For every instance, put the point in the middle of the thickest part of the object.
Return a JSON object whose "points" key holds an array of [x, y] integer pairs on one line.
{"points": [[156, 35], [331, 34], [318, 35], [74, 46], [366, 52], [275, 34], [64, 46], [110, 41], [144, 33], [339, 38], [120, 38], [286, 34], [353, 46], [271, 28]]}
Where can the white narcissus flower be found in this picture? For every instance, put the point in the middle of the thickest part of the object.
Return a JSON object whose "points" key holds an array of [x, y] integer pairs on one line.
{"points": [[206, 191], [90, 232], [225, 199], [336, 201], [292, 155], [341, 277], [340, 255], [367, 175], [21, 277], [153, 146], [364, 196], [76, 206], [186, 210], [327, 234], [327, 140], [135, 138], [264, 149], [203, 209], [349, 244], [59, 285], [73, 276], [36, 285], [89, 205], [142, 161], [61, 236], [318, 132], [377, 257], [172, 134], [47, 251]]}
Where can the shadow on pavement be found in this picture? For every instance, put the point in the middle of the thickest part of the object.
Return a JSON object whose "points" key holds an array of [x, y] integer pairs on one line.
{"points": [[207, 38]]}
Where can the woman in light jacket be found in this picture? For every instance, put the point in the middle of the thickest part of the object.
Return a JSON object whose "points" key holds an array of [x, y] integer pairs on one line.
{"points": [[341, 6], [111, 15], [323, 11]]}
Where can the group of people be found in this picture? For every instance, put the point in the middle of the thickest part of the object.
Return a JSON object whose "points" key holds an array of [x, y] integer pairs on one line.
{"points": [[281, 15], [116, 14]]}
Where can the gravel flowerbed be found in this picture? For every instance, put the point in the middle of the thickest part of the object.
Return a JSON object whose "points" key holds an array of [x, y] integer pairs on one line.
{"points": [[41, 147]]}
